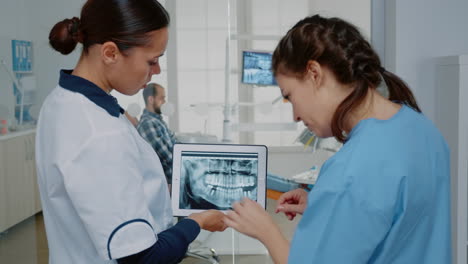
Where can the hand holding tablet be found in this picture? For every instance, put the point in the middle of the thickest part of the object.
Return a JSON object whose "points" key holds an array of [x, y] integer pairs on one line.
{"points": [[211, 220]]}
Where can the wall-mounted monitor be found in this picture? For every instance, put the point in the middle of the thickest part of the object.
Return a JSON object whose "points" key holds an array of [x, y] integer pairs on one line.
{"points": [[256, 68]]}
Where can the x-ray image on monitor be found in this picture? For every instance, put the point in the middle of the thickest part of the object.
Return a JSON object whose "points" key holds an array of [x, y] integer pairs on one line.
{"points": [[214, 180], [257, 68]]}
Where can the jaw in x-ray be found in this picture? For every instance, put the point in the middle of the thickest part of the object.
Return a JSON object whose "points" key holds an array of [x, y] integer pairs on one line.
{"points": [[217, 183]]}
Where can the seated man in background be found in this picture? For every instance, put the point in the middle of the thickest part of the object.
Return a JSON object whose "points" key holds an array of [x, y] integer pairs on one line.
{"points": [[153, 128]]}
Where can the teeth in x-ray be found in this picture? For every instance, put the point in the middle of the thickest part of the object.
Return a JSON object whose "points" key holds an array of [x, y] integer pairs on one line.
{"points": [[229, 181], [224, 197], [238, 167], [245, 167], [222, 181]]}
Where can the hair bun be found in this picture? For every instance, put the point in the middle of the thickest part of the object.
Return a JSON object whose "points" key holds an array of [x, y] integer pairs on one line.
{"points": [[65, 35], [74, 25]]}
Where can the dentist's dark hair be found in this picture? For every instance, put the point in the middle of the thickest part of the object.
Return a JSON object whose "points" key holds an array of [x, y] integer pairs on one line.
{"points": [[338, 45], [124, 22]]}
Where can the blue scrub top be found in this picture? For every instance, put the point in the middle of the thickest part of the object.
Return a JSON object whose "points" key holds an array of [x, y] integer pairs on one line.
{"points": [[383, 198]]}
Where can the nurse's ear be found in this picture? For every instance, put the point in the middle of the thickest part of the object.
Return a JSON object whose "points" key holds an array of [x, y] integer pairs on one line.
{"points": [[110, 52], [314, 72]]}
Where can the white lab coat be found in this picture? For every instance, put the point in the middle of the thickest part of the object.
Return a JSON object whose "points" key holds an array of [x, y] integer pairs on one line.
{"points": [[103, 190]]}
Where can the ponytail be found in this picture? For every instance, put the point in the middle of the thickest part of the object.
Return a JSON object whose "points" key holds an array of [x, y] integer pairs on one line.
{"points": [[398, 90]]}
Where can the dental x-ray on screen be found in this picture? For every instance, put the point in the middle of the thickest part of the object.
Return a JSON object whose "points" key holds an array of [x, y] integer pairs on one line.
{"points": [[215, 176], [256, 68]]}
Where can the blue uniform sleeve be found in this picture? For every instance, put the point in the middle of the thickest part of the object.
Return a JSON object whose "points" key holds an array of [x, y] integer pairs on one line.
{"points": [[171, 246], [338, 227]]}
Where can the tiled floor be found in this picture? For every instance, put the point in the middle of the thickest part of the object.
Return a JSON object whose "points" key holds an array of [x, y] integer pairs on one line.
{"points": [[26, 243]]}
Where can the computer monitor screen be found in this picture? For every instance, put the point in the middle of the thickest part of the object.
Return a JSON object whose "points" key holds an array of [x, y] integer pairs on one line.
{"points": [[256, 68]]}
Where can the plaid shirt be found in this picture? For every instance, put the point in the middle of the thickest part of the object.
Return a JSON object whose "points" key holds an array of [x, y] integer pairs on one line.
{"points": [[155, 131]]}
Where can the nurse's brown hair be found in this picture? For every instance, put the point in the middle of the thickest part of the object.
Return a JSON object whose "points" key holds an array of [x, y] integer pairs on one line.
{"points": [[340, 47], [124, 22]]}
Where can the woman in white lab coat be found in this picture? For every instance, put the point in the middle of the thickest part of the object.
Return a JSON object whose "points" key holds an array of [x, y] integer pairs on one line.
{"points": [[103, 190]]}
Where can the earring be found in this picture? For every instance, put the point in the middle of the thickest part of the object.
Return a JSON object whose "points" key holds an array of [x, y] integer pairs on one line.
{"points": [[344, 134]]}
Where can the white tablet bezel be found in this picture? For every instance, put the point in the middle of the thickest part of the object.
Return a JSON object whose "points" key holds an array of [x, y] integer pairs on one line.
{"points": [[176, 163]]}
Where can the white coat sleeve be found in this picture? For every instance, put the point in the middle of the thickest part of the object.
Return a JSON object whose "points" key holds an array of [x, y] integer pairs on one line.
{"points": [[105, 185]]}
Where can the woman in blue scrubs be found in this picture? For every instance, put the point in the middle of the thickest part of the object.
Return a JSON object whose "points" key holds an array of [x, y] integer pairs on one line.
{"points": [[385, 196], [103, 190]]}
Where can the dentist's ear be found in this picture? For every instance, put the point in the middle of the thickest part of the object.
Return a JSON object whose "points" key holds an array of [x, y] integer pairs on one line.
{"points": [[110, 52]]}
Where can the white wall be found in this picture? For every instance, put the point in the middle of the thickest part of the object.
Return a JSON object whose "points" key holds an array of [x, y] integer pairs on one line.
{"points": [[356, 12], [32, 20], [417, 32], [201, 31]]}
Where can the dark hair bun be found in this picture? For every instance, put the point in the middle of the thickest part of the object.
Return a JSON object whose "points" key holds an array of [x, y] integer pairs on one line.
{"points": [[65, 35]]}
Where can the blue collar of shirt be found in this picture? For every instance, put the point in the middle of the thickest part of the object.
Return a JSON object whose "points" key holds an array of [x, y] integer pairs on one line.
{"points": [[158, 116], [91, 91]]}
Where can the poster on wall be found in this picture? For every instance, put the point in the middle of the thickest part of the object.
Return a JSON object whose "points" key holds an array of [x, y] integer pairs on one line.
{"points": [[21, 51]]}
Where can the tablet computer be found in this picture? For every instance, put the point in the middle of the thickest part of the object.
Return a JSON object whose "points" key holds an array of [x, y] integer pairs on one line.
{"points": [[213, 176]]}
